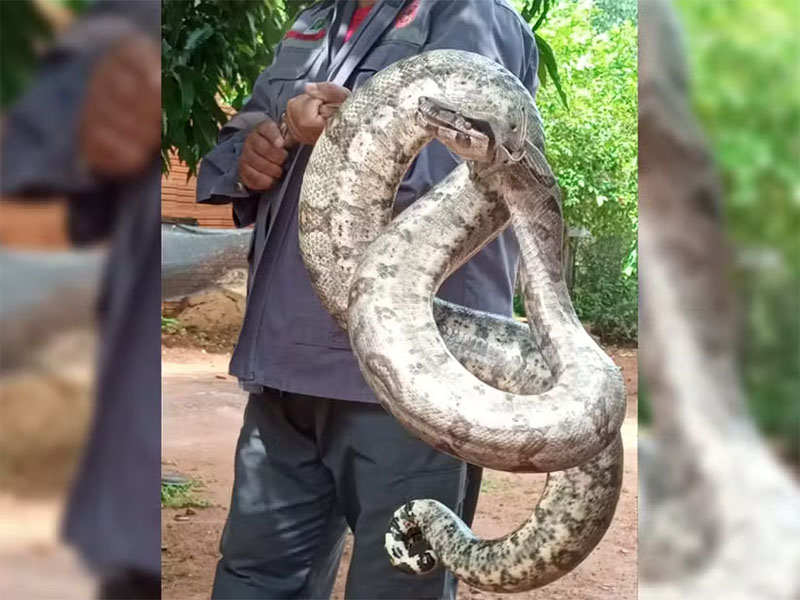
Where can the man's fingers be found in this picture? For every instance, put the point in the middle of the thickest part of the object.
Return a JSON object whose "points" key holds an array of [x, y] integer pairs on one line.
{"points": [[330, 93], [266, 150], [260, 164], [142, 57], [110, 154], [303, 120], [124, 83], [270, 131], [131, 125], [302, 107], [120, 126], [254, 180], [326, 111]]}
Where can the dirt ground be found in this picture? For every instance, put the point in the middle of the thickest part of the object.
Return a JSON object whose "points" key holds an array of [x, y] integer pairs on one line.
{"points": [[45, 406], [201, 418], [209, 320]]}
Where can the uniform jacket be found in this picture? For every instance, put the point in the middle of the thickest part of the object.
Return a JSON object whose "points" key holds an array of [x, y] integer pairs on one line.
{"points": [[288, 341]]}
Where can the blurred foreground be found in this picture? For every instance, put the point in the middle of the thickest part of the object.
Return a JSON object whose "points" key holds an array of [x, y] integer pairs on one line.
{"points": [[46, 377], [719, 510], [79, 298]]}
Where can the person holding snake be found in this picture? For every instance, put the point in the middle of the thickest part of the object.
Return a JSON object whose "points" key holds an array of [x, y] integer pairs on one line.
{"points": [[317, 454]]}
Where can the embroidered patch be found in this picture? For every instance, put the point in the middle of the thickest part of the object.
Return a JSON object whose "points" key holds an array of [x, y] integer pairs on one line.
{"points": [[315, 32], [411, 25], [316, 25], [407, 15]]}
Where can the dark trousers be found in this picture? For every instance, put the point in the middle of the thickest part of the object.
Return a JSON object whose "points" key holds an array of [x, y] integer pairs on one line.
{"points": [[306, 470]]}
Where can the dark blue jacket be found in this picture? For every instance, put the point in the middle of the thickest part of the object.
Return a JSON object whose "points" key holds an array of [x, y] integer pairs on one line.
{"points": [[288, 341]]}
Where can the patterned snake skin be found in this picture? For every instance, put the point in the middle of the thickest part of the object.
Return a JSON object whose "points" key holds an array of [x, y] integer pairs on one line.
{"points": [[473, 385]]}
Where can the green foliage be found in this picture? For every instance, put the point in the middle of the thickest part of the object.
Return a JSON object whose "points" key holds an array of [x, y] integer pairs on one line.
{"points": [[169, 324], [548, 66], [745, 82], [604, 296], [592, 148], [182, 495], [212, 51], [22, 31], [610, 13], [770, 355], [535, 13], [519, 305], [493, 485], [74, 6]]}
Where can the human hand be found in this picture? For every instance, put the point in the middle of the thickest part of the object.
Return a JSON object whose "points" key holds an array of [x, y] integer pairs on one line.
{"points": [[119, 132], [307, 114], [262, 158]]}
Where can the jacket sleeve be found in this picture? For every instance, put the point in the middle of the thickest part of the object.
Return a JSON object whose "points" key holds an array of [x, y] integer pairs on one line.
{"points": [[39, 141], [217, 179], [487, 27]]}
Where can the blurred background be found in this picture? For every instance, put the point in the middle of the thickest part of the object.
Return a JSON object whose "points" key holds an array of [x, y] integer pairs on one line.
{"points": [[719, 182], [743, 61], [47, 322], [79, 368]]}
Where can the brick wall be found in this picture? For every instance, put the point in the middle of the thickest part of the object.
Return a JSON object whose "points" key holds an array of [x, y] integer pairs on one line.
{"points": [[34, 225], [178, 201]]}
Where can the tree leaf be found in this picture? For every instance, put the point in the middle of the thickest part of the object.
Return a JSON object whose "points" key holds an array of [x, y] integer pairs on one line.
{"points": [[542, 16], [547, 57], [197, 37], [187, 97], [531, 9], [542, 72]]}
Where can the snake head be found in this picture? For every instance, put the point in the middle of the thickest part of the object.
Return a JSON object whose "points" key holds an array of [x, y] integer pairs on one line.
{"points": [[479, 137], [407, 548]]}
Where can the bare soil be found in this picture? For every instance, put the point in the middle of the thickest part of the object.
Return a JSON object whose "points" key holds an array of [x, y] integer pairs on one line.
{"points": [[202, 416], [45, 408], [209, 320]]}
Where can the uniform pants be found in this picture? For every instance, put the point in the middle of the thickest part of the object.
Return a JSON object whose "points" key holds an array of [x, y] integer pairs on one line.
{"points": [[308, 468]]}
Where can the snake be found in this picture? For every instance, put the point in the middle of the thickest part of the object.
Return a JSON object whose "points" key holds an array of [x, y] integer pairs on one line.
{"points": [[541, 397]]}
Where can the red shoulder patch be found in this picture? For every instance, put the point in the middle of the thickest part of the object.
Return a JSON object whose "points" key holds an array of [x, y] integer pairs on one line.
{"points": [[315, 32], [407, 14], [296, 35]]}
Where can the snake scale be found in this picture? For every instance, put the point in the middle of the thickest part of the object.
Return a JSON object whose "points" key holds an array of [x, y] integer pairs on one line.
{"points": [[486, 389]]}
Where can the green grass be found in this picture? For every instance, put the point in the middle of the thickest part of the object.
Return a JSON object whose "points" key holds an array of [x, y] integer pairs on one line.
{"points": [[491, 486], [169, 324], [182, 495]]}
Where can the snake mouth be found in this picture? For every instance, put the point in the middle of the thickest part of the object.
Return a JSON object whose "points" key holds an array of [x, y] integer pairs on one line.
{"points": [[478, 137]]}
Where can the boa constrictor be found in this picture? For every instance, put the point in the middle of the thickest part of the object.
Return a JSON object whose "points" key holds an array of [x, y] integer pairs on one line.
{"points": [[477, 386]]}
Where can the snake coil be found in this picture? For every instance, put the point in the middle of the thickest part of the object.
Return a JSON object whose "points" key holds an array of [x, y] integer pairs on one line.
{"points": [[483, 388]]}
